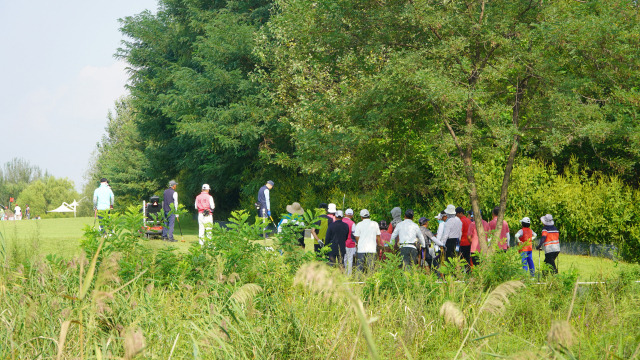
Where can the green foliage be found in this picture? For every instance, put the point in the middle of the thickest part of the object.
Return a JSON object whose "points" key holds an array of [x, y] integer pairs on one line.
{"points": [[15, 176], [47, 194]]}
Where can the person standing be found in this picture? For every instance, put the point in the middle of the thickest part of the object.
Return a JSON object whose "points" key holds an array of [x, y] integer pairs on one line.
{"points": [[264, 200], [170, 197], [396, 218], [550, 240], [451, 232], [320, 234], [408, 237], [428, 252], [1, 212], [103, 200], [27, 212], [350, 244], [525, 237], [465, 239], [295, 218], [204, 205], [367, 235], [337, 235], [475, 240], [17, 211], [505, 237]]}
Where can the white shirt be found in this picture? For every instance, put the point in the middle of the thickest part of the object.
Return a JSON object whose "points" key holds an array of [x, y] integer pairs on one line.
{"points": [[452, 229], [17, 210], [409, 232], [367, 232], [436, 239]]}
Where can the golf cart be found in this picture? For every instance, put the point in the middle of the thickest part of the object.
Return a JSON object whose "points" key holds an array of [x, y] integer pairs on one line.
{"points": [[152, 217]]}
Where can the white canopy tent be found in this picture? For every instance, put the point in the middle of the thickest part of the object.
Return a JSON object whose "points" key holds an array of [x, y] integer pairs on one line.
{"points": [[66, 208]]}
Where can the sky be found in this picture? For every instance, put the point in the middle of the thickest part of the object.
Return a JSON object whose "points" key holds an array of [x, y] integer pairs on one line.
{"points": [[59, 79]]}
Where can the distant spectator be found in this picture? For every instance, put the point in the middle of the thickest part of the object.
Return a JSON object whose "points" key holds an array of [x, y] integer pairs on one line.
{"points": [[103, 200], [550, 240], [505, 237], [17, 212], [27, 212], [367, 237]]}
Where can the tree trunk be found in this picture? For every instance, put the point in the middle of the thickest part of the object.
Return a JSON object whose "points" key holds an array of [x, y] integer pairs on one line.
{"points": [[504, 191]]}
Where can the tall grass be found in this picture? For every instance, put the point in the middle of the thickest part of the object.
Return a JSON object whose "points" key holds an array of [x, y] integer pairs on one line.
{"points": [[109, 304]]}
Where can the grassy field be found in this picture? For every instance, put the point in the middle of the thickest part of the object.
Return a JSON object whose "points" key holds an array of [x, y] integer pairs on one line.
{"points": [[62, 237]]}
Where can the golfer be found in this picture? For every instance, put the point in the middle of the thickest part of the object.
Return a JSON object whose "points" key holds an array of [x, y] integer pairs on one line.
{"points": [[103, 200], [170, 197], [205, 206], [264, 201]]}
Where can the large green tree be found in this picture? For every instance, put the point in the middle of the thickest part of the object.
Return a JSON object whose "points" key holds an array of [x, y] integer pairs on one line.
{"points": [[195, 103], [47, 194]]}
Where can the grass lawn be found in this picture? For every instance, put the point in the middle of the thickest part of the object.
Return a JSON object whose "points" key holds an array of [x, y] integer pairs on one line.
{"points": [[62, 237]]}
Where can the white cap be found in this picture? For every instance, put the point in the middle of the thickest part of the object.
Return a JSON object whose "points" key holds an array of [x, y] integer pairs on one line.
{"points": [[525, 220], [450, 210], [364, 213], [205, 187], [349, 212], [339, 214], [331, 208]]}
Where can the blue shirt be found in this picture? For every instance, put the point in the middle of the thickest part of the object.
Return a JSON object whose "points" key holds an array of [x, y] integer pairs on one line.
{"points": [[103, 197]]}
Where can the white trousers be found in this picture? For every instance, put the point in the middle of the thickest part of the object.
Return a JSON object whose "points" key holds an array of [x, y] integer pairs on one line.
{"points": [[202, 220], [348, 259]]}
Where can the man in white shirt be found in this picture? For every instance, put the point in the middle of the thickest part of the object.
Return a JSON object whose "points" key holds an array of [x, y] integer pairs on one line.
{"points": [[367, 235], [18, 212], [451, 232], [407, 235]]}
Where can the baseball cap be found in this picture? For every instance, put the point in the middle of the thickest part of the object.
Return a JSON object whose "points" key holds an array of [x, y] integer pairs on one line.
{"points": [[423, 220], [205, 187], [331, 208], [270, 182], [172, 182], [364, 213], [104, 180], [349, 212], [339, 214], [526, 220]]}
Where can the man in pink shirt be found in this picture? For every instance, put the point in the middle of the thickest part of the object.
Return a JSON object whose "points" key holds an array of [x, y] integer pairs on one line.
{"points": [[350, 244], [505, 237], [475, 244]]}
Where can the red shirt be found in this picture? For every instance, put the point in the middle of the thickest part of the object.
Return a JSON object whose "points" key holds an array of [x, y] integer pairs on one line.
{"points": [[464, 240], [350, 243], [475, 245], [525, 239]]}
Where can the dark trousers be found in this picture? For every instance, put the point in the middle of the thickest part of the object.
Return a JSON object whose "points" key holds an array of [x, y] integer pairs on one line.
{"points": [[169, 223], [365, 260], [465, 251], [475, 259], [451, 248], [550, 258], [409, 255]]}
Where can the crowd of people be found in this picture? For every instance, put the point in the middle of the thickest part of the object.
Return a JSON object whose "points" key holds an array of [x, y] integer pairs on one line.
{"points": [[369, 241], [7, 214]]}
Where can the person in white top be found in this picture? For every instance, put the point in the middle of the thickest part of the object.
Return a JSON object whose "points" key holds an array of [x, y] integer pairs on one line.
{"points": [[407, 235], [367, 235], [451, 233], [17, 212], [204, 205]]}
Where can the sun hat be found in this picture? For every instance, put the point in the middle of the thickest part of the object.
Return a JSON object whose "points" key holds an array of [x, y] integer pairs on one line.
{"points": [[450, 210], [295, 208], [526, 220], [364, 213], [205, 187], [423, 220], [547, 219], [349, 212], [331, 208], [339, 214], [172, 183]]}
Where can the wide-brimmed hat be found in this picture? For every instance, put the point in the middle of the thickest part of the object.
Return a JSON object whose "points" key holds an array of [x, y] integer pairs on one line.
{"points": [[547, 219], [295, 208], [450, 210], [172, 183]]}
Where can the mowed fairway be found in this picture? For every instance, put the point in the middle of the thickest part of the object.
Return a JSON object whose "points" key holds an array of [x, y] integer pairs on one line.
{"points": [[62, 237]]}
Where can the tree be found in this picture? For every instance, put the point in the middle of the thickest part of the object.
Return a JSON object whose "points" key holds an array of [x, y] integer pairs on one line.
{"points": [[47, 194], [15, 176]]}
